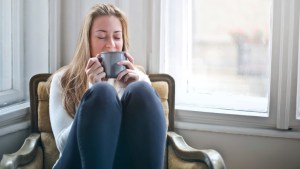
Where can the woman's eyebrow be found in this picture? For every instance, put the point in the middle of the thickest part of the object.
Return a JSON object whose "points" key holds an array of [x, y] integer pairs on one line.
{"points": [[101, 30], [117, 31], [106, 31]]}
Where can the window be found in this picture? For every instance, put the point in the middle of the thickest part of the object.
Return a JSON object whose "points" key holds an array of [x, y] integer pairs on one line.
{"points": [[227, 58], [11, 90], [24, 49], [234, 62]]}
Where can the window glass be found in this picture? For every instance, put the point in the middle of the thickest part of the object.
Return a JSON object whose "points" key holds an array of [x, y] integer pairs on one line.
{"points": [[24, 32], [220, 55], [9, 88], [5, 46]]}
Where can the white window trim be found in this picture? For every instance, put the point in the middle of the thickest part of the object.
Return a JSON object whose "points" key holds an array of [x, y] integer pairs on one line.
{"points": [[285, 49], [17, 117], [14, 118], [282, 105], [55, 37]]}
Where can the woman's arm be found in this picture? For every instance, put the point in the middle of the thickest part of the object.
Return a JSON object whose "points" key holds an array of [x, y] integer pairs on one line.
{"points": [[61, 122], [142, 74]]}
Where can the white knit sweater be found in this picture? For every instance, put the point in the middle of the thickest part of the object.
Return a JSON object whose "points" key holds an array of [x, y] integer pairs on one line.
{"points": [[61, 122]]}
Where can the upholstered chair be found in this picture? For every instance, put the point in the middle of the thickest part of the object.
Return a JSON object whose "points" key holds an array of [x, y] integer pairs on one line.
{"points": [[39, 150]]}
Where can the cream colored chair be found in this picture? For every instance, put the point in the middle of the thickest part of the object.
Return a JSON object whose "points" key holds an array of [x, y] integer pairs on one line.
{"points": [[39, 150]]}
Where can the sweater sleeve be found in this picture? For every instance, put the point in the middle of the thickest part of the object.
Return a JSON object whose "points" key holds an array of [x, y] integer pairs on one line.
{"points": [[142, 74], [61, 122]]}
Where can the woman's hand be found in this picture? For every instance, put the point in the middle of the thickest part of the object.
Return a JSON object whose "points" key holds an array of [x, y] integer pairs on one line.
{"points": [[130, 74], [94, 70]]}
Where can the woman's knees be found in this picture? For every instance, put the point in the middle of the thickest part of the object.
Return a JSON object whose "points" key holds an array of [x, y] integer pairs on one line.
{"points": [[100, 96], [140, 96], [140, 89], [103, 89]]}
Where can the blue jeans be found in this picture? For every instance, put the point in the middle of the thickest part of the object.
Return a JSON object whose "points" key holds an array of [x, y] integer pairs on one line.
{"points": [[109, 133]]}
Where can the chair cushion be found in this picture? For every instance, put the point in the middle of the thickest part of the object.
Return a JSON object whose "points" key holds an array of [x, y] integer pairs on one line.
{"points": [[43, 108], [162, 89], [176, 163]]}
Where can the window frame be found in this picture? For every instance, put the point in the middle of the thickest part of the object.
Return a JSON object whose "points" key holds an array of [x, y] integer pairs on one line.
{"points": [[16, 92], [46, 36], [284, 65]]}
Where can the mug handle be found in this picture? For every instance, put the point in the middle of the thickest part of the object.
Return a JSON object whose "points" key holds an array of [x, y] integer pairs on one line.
{"points": [[100, 59]]}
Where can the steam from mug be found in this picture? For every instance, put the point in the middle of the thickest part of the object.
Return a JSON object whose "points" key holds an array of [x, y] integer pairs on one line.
{"points": [[109, 61]]}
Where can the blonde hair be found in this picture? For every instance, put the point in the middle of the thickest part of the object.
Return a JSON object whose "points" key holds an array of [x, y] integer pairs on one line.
{"points": [[74, 81]]}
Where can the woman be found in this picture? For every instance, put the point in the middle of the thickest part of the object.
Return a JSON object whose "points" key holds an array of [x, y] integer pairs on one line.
{"points": [[101, 123]]}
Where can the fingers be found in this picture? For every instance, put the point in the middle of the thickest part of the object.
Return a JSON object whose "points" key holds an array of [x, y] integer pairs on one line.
{"points": [[128, 74], [128, 63], [129, 57], [94, 70]]}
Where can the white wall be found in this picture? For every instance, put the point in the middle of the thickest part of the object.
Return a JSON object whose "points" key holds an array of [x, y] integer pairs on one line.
{"points": [[247, 152]]}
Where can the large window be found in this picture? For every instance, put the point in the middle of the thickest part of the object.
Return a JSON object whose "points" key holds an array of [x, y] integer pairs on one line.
{"points": [[234, 61]]}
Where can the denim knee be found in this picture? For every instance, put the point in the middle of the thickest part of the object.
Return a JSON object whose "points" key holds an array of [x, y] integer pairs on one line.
{"points": [[99, 95], [102, 89], [140, 88]]}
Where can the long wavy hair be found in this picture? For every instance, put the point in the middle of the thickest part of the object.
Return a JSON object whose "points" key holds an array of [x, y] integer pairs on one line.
{"points": [[74, 81]]}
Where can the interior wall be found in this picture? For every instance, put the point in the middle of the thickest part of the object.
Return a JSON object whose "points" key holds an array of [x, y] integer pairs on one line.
{"points": [[10, 143], [247, 152]]}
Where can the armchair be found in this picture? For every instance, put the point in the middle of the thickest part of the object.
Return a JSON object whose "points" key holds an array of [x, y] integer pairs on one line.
{"points": [[39, 150]]}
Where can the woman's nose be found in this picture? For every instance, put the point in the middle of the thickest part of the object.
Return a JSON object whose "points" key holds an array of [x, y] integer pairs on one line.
{"points": [[110, 43]]}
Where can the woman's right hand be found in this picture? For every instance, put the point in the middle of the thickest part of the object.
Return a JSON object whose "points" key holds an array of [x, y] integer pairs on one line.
{"points": [[94, 70]]}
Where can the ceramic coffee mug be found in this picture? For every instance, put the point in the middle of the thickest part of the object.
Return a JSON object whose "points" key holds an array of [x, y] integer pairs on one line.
{"points": [[109, 61]]}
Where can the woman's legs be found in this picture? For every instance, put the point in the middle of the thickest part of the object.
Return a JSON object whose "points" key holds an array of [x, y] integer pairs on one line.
{"points": [[94, 135], [93, 140], [143, 130]]}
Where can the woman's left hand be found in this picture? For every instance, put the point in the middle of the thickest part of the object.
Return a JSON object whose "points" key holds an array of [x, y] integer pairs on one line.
{"points": [[130, 74]]}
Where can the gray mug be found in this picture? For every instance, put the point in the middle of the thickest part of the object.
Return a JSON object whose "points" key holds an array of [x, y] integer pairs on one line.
{"points": [[109, 62]]}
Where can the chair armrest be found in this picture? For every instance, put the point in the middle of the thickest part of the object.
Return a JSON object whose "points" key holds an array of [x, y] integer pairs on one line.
{"points": [[24, 155], [211, 158]]}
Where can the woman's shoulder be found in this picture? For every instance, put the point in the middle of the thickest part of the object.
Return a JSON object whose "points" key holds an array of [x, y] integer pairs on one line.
{"points": [[56, 77], [58, 74]]}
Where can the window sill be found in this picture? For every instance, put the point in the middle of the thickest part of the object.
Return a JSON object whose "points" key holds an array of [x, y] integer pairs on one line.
{"points": [[189, 117], [186, 107], [14, 118], [238, 130]]}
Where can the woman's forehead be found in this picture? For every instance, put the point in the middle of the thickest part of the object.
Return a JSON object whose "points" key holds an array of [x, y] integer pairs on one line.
{"points": [[107, 23]]}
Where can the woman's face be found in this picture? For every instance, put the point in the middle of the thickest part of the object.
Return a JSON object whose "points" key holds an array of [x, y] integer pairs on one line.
{"points": [[105, 35]]}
